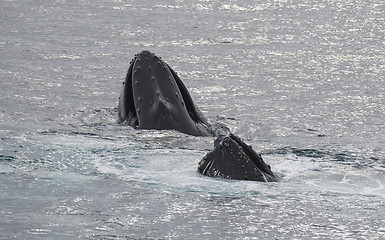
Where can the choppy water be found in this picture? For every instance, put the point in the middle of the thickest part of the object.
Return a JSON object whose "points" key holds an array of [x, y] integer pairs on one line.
{"points": [[302, 81]]}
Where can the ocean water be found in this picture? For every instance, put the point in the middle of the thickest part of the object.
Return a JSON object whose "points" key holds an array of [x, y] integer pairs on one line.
{"points": [[301, 81]]}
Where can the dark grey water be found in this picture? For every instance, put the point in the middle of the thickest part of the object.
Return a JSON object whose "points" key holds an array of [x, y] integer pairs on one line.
{"points": [[302, 81]]}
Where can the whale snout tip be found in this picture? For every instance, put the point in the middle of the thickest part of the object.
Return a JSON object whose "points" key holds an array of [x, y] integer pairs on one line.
{"points": [[146, 53]]}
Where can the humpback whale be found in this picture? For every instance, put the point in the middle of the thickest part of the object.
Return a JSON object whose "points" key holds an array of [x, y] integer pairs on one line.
{"points": [[233, 159], [154, 97]]}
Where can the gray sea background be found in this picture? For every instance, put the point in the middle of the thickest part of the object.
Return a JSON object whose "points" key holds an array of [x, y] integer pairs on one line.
{"points": [[302, 81]]}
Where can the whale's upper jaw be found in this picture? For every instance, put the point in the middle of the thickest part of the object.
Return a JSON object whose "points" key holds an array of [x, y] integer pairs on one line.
{"points": [[154, 97], [233, 159]]}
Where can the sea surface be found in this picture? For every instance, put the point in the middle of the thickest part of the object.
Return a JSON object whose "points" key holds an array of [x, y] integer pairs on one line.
{"points": [[302, 81]]}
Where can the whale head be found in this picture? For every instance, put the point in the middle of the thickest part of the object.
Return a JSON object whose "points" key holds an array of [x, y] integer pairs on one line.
{"points": [[154, 97], [234, 159]]}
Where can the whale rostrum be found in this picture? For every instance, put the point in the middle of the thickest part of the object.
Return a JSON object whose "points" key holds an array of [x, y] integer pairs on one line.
{"points": [[154, 97]]}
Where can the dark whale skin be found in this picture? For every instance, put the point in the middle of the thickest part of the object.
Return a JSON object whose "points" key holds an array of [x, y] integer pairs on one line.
{"points": [[154, 97], [233, 159]]}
